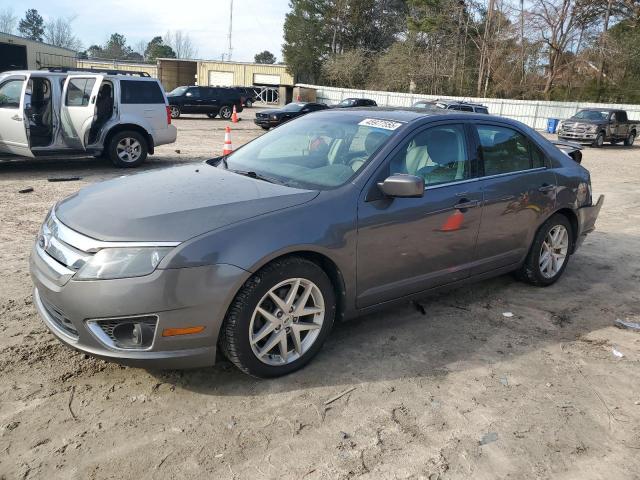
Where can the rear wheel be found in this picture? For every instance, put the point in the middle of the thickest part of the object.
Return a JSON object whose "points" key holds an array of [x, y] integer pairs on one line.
{"points": [[225, 112], [128, 149], [630, 139], [599, 141], [280, 318], [175, 111], [549, 253], [248, 103]]}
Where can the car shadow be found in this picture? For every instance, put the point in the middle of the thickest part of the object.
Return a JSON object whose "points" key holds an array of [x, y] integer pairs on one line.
{"points": [[461, 329]]}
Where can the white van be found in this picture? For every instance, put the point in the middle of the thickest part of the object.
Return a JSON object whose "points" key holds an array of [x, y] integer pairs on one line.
{"points": [[122, 115]]}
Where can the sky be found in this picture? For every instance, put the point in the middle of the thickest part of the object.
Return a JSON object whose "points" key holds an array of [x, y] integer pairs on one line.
{"points": [[257, 24]]}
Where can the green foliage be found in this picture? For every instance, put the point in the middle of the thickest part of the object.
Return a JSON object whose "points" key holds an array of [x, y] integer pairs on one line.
{"points": [[32, 25], [156, 48], [265, 57]]}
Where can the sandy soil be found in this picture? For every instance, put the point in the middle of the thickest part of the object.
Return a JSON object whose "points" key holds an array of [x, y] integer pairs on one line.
{"points": [[461, 392]]}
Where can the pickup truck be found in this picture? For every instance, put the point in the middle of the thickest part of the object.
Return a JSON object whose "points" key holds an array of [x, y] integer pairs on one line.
{"points": [[598, 125]]}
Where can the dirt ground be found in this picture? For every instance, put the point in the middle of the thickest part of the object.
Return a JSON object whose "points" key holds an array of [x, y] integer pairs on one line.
{"points": [[461, 392]]}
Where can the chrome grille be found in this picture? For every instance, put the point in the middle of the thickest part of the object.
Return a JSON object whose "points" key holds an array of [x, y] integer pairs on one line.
{"points": [[59, 318]]}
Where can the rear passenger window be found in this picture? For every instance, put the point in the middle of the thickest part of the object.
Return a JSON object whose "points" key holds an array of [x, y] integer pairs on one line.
{"points": [[79, 92], [505, 150], [138, 92]]}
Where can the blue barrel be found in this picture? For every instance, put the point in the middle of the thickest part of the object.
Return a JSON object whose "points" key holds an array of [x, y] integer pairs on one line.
{"points": [[552, 125]]}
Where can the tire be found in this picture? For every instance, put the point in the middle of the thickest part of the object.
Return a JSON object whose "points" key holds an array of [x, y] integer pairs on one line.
{"points": [[225, 112], [244, 321], [212, 115], [265, 128], [248, 103], [175, 111], [532, 270], [131, 142], [599, 141], [628, 142]]}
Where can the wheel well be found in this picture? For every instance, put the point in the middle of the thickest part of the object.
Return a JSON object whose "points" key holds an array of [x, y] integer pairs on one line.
{"points": [[129, 126], [332, 271], [573, 220]]}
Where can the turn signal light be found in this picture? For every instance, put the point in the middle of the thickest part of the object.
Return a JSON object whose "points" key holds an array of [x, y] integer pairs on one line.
{"points": [[172, 332]]}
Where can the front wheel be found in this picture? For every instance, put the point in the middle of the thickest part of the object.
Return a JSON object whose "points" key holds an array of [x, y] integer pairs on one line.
{"points": [[212, 115], [264, 127], [599, 141], [630, 139], [248, 103], [175, 111], [280, 318], [549, 254], [128, 149]]}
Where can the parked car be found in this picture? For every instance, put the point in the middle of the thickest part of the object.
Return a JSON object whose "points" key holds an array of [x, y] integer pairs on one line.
{"points": [[272, 118], [122, 115], [598, 125], [355, 102], [453, 105], [248, 95], [333, 215], [212, 101]]}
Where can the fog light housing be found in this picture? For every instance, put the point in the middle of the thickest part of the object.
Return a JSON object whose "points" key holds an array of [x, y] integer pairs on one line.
{"points": [[134, 333]]}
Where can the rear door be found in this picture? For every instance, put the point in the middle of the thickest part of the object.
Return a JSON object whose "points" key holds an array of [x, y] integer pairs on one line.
{"points": [[143, 99], [13, 132], [78, 111], [519, 191]]}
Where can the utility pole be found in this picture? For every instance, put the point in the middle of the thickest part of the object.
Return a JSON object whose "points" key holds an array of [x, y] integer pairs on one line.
{"points": [[522, 45], [230, 31]]}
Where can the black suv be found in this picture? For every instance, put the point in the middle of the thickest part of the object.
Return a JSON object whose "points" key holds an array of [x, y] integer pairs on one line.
{"points": [[212, 101], [248, 95], [355, 102], [452, 105]]}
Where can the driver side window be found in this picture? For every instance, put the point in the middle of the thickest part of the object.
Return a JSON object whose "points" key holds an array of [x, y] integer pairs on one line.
{"points": [[438, 154]]}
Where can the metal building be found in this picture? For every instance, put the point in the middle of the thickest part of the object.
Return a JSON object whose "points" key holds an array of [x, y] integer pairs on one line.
{"points": [[17, 53], [149, 68]]}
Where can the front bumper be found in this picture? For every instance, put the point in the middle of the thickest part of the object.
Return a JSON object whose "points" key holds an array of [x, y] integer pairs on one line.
{"points": [[179, 298], [582, 137], [266, 122], [587, 217]]}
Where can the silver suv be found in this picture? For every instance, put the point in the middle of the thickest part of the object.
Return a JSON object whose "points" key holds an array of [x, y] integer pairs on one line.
{"points": [[121, 115]]}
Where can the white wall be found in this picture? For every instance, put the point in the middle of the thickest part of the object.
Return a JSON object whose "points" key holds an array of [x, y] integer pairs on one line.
{"points": [[531, 112]]}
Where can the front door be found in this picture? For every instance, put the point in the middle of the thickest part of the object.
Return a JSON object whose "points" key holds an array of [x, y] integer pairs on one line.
{"points": [[13, 130], [519, 192], [78, 111], [407, 245]]}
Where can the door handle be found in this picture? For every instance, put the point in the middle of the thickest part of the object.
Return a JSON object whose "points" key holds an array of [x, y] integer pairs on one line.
{"points": [[17, 118], [545, 187], [466, 203]]}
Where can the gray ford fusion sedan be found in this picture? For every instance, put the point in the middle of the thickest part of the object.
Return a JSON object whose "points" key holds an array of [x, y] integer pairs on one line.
{"points": [[328, 216]]}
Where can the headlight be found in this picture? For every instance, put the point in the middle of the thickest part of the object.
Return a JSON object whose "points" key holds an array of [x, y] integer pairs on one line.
{"points": [[274, 117], [592, 128], [110, 263], [560, 126]]}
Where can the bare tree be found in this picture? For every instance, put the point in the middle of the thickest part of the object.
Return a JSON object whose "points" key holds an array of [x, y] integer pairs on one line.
{"points": [[58, 32], [8, 21], [181, 44]]}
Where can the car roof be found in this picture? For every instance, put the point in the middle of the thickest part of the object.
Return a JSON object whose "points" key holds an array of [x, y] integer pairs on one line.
{"points": [[408, 115], [594, 109], [46, 73]]}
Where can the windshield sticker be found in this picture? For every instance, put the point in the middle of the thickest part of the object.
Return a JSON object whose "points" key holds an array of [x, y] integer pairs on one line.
{"points": [[376, 123]]}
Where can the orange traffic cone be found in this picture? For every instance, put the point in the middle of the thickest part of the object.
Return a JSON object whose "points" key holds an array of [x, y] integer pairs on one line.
{"points": [[228, 147], [234, 115]]}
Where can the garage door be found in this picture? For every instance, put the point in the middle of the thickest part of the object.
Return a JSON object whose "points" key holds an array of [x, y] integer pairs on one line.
{"points": [[224, 79], [264, 79]]}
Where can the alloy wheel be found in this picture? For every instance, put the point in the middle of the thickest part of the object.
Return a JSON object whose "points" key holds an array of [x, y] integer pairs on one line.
{"points": [[175, 112], [225, 112], [129, 150], [553, 253], [287, 321]]}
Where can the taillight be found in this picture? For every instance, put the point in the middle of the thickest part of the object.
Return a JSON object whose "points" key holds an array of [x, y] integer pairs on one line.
{"points": [[168, 115]]}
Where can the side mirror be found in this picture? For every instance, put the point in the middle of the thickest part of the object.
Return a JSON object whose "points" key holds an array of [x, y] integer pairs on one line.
{"points": [[402, 186]]}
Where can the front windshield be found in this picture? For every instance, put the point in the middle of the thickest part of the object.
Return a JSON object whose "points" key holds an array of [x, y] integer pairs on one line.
{"points": [[347, 102], [176, 92], [591, 115], [315, 152], [293, 107]]}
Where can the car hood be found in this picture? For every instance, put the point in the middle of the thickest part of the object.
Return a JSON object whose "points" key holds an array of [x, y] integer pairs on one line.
{"points": [[586, 122], [173, 204], [273, 111]]}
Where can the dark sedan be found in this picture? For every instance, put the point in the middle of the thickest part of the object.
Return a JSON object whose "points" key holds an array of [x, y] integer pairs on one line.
{"points": [[272, 118], [355, 102], [330, 216]]}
